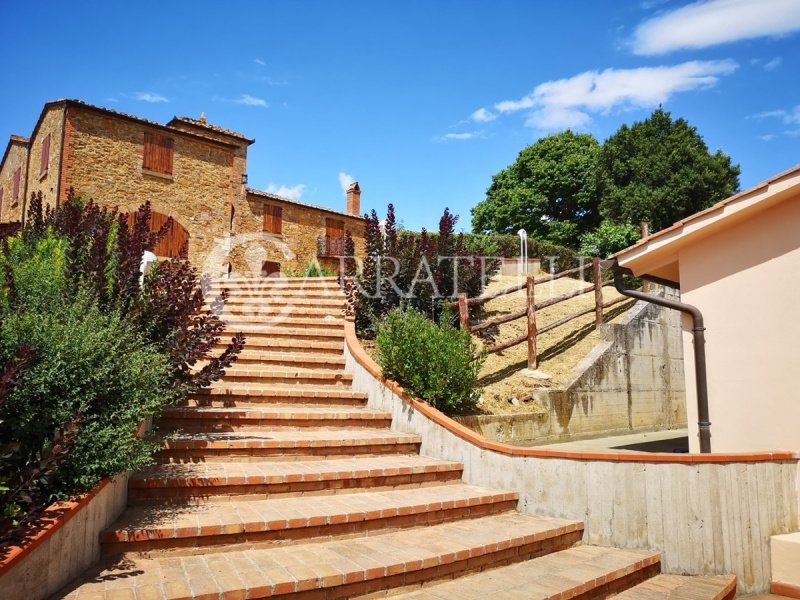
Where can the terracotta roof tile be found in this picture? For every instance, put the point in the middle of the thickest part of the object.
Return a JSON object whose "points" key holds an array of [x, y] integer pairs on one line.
{"points": [[204, 125], [272, 196], [130, 117]]}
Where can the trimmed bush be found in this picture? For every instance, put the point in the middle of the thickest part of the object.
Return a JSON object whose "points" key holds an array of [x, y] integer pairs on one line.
{"points": [[87, 352], [431, 361]]}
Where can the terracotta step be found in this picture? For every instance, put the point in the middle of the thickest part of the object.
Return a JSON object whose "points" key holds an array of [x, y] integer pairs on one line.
{"points": [[278, 293], [255, 444], [283, 376], [255, 333], [262, 299], [256, 319], [246, 307], [683, 587], [277, 281], [309, 517], [284, 416], [583, 572], [302, 360], [196, 482], [342, 568], [289, 345], [242, 394]]}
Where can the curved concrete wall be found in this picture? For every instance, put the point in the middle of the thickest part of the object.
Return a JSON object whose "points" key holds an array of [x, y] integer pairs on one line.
{"points": [[706, 514]]}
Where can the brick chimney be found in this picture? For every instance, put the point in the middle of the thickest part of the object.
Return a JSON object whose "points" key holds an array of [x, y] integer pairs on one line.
{"points": [[354, 200]]}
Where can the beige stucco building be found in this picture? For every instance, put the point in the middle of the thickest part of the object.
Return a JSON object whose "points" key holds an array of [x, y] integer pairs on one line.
{"points": [[189, 170], [739, 263]]}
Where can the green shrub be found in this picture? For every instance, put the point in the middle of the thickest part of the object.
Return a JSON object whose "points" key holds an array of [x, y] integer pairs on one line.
{"points": [[90, 365], [431, 361], [314, 269], [608, 239]]}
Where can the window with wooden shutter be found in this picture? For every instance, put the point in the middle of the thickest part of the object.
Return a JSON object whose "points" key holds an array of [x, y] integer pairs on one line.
{"points": [[273, 217], [158, 152], [44, 159], [15, 196]]}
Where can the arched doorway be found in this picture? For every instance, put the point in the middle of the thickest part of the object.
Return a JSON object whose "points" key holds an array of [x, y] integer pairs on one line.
{"points": [[174, 243]]}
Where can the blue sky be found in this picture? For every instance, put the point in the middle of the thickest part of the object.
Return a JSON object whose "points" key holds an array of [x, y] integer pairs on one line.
{"points": [[420, 101]]}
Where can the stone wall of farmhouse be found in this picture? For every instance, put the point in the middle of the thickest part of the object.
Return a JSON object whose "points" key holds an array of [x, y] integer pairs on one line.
{"points": [[103, 160], [295, 247], [15, 159], [46, 181]]}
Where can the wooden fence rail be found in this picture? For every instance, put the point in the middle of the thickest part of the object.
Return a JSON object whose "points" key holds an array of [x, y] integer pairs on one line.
{"points": [[529, 312]]}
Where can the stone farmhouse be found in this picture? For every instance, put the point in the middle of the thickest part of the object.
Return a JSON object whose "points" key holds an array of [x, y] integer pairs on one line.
{"points": [[190, 170]]}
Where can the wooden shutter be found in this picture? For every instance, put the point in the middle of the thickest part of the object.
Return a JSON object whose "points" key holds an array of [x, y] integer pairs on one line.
{"points": [[158, 153], [273, 219], [44, 160], [17, 175], [175, 241], [334, 228], [334, 237]]}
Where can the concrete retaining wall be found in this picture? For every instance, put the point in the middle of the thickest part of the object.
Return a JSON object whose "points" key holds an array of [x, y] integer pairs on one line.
{"points": [[632, 381], [62, 551], [706, 514]]}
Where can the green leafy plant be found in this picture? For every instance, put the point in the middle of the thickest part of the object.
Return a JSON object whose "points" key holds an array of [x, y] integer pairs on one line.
{"points": [[88, 352], [433, 361], [608, 239]]}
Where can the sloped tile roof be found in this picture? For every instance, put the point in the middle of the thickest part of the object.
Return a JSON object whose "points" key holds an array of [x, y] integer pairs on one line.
{"points": [[216, 128], [278, 198]]}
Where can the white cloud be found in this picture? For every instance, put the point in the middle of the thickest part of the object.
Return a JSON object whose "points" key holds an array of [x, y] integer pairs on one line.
{"points": [[773, 64], [709, 23], [291, 192], [460, 137], [150, 97], [468, 135], [483, 116], [787, 117], [249, 100], [793, 132], [768, 137], [345, 179], [259, 62], [568, 103]]}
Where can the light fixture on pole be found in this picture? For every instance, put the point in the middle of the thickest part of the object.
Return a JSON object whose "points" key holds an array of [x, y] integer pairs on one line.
{"points": [[523, 251]]}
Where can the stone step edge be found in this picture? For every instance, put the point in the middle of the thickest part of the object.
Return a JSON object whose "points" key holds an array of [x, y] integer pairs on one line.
{"points": [[614, 578], [368, 573], [288, 413], [329, 392], [320, 519], [177, 444], [204, 482], [664, 585]]}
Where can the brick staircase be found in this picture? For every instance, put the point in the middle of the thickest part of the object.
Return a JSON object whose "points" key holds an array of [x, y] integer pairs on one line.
{"points": [[280, 482]]}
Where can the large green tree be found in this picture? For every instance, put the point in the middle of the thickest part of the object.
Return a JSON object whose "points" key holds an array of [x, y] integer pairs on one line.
{"points": [[550, 191], [660, 171]]}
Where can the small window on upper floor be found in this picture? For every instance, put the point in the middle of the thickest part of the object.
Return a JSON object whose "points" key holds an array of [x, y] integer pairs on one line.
{"points": [[158, 151], [273, 219], [44, 160], [15, 195]]}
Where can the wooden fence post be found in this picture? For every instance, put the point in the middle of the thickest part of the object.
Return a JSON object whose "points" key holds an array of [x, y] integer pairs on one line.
{"points": [[598, 292], [533, 360], [463, 311]]}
